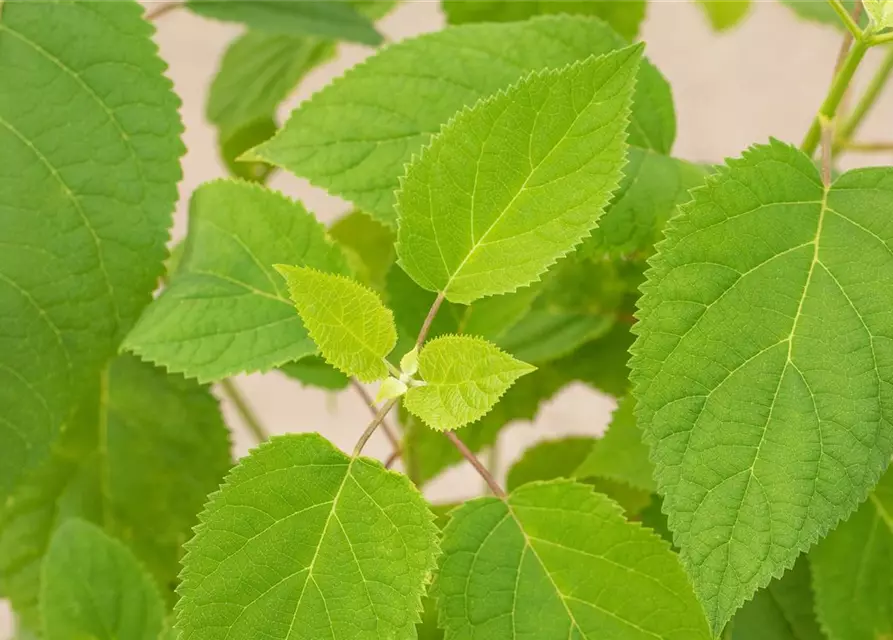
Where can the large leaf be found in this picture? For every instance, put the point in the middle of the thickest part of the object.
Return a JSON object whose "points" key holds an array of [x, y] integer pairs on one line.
{"points": [[354, 137], [624, 17], [369, 246], [226, 310], [517, 181], [764, 364], [620, 454], [782, 611], [89, 137], [853, 585], [94, 587], [304, 542], [352, 328], [556, 561], [140, 459], [338, 20], [464, 377]]}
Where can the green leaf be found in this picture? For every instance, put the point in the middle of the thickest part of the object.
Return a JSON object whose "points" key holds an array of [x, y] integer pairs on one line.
{"points": [[557, 561], [427, 629], [880, 13], [234, 143], [93, 587], [336, 20], [620, 454], [602, 363], [315, 372], [823, 12], [853, 586], [369, 246], [549, 460], [304, 542], [226, 310], [464, 377], [762, 365], [426, 452], [139, 459], [653, 186], [86, 207], [478, 217], [352, 328], [725, 14], [781, 611], [258, 71], [624, 17], [354, 137]]}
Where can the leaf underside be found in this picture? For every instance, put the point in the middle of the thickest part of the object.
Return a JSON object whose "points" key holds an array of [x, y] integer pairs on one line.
{"points": [[303, 542], [764, 363]]}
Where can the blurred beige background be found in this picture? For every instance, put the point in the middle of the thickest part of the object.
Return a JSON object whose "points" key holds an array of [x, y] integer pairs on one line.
{"points": [[764, 78]]}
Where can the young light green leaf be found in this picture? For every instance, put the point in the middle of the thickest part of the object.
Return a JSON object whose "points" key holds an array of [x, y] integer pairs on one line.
{"points": [[336, 20], [303, 542], [725, 14], [625, 17], [549, 460], [762, 367], [620, 454], [556, 561], [226, 310], [139, 459], [426, 452], [354, 137], [782, 611], [390, 388], [504, 191], [409, 363], [880, 13], [94, 587], [853, 585], [352, 328], [315, 372], [464, 377], [86, 208]]}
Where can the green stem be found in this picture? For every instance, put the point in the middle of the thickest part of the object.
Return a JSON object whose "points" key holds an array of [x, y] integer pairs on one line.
{"points": [[867, 102], [883, 38], [231, 391], [847, 19], [377, 420], [480, 468], [835, 94]]}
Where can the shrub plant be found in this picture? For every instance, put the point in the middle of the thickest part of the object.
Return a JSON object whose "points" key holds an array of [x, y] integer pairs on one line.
{"points": [[519, 224]]}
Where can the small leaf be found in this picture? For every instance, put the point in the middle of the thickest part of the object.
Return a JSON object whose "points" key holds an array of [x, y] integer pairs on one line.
{"points": [[557, 561], [426, 452], [352, 328], [880, 13], [625, 17], [763, 370], [478, 217], [464, 377], [409, 363], [90, 147], [315, 372], [354, 137], [337, 20], [304, 542], [725, 14], [620, 454], [782, 611], [93, 587], [851, 571], [226, 310], [390, 388]]}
